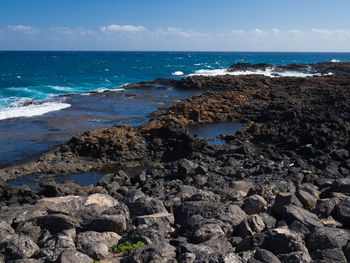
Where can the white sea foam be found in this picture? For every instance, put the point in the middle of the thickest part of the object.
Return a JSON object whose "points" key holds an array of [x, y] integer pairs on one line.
{"points": [[177, 73], [335, 60], [59, 88], [268, 72], [31, 110]]}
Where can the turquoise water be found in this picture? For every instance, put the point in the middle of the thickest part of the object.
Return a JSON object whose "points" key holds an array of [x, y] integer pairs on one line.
{"points": [[26, 75]]}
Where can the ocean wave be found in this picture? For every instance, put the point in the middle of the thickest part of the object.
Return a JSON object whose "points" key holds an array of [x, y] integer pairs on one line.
{"points": [[177, 73], [335, 60], [31, 109], [59, 88], [267, 72]]}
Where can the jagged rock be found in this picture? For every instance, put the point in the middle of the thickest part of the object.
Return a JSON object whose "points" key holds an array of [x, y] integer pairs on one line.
{"points": [[253, 224], [95, 250], [30, 230], [64, 204], [56, 223], [269, 221], [101, 200], [266, 256], [254, 204], [153, 234], [307, 199], [107, 238], [326, 238], [165, 218], [219, 258], [106, 223], [282, 200], [73, 256], [292, 212], [342, 211], [230, 214], [17, 246], [324, 207], [139, 204], [53, 247], [329, 256], [159, 252], [207, 232]]}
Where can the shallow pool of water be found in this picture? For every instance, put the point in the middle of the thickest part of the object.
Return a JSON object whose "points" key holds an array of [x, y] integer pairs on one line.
{"points": [[212, 131]]}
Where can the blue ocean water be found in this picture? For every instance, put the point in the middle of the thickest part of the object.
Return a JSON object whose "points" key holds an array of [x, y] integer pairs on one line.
{"points": [[26, 75], [28, 129]]}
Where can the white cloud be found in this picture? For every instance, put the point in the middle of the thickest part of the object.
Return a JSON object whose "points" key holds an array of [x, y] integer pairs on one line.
{"points": [[124, 28], [20, 28], [175, 31], [330, 32]]}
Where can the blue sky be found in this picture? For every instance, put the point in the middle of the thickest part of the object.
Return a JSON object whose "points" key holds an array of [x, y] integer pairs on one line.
{"points": [[203, 25]]}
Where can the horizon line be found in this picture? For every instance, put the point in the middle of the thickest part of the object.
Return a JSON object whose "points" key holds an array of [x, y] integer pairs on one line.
{"points": [[193, 51]]}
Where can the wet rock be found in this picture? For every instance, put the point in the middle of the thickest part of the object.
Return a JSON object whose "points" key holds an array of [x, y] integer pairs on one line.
{"points": [[160, 252], [73, 256], [254, 204]]}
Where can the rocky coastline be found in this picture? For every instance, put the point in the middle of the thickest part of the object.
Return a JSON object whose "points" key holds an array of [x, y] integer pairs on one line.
{"points": [[276, 191]]}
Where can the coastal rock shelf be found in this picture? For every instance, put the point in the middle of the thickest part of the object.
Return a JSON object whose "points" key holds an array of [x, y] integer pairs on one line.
{"points": [[277, 191]]}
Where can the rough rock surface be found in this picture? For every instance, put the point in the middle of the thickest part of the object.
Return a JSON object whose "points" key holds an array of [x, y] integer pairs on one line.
{"points": [[276, 191]]}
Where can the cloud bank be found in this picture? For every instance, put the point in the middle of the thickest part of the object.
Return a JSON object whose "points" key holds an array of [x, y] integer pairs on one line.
{"points": [[139, 37]]}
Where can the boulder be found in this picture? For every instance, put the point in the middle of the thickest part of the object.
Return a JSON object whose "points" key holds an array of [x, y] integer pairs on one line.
{"points": [[73, 256], [53, 247], [327, 237], [107, 238], [17, 246], [254, 204], [106, 223], [231, 214], [158, 252], [292, 212], [95, 250], [56, 223], [253, 224]]}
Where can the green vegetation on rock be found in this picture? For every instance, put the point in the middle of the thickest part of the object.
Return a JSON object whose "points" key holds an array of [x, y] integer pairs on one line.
{"points": [[125, 247]]}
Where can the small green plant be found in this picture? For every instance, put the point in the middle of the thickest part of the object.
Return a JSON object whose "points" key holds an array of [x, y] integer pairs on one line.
{"points": [[95, 261], [125, 247]]}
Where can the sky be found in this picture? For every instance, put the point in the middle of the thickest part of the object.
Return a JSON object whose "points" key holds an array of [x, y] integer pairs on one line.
{"points": [[176, 25]]}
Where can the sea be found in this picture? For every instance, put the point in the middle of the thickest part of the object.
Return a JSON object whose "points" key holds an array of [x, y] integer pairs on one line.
{"points": [[45, 96]]}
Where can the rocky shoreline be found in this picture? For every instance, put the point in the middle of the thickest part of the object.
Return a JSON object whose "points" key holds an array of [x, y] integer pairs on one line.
{"points": [[277, 191]]}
